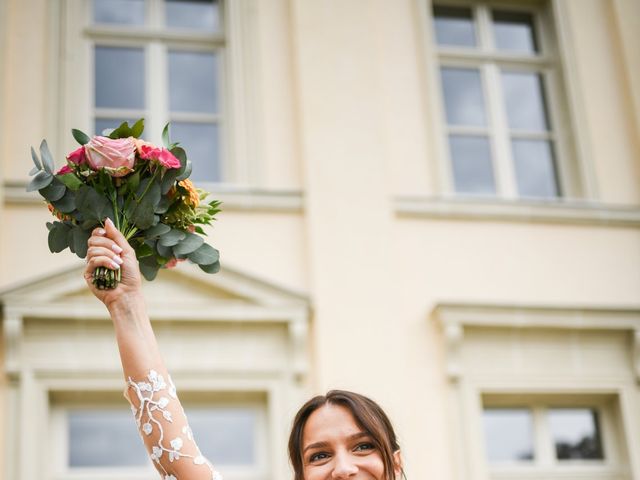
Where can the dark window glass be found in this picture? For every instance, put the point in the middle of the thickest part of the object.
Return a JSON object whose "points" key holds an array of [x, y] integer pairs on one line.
{"points": [[201, 142], [463, 96], [514, 32], [119, 77], [193, 14], [119, 12], [454, 26], [508, 434], [534, 168], [193, 82], [472, 166], [576, 433]]}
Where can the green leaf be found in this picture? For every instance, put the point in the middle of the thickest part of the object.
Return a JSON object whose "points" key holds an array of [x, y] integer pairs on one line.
{"points": [[149, 267], [164, 251], [143, 214], [47, 159], [90, 224], [156, 231], [36, 160], [200, 230], [81, 137], [205, 255], [133, 181], [67, 203], [185, 172], [70, 180], [211, 268], [144, 250], [181, 155], [92, 205], [58, 237], [165, 136], [189, 244], [172, 238], [80, 238], [70, 241], [164, 204], [169, 179], [40, 181], [137, 128], [123, 131], [54, 191]]}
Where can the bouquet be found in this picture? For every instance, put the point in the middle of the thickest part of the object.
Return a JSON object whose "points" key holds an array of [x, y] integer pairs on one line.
{"points": [[144, 189]]}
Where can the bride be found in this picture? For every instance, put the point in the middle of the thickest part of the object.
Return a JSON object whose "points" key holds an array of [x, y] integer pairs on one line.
{"points": [[340, 435]]}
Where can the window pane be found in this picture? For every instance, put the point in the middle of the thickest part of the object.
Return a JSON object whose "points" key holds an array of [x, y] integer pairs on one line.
{"points": [[226, 436], [119, 77], [193, 81], [514, 32], [463, 97], [472, 167], [193, 14], [525, 101], [534, 168], [200, 140], [508, 434], [119, 12], [454, 26], [104, 438], [576, 433]]}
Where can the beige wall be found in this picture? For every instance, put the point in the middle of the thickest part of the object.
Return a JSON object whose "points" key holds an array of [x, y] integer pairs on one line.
{"points": [[345, 99]]}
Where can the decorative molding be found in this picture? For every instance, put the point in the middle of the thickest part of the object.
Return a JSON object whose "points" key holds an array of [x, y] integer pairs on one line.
{"points": [[233, 199], [572, 213], [455, 317], [12, 330]]}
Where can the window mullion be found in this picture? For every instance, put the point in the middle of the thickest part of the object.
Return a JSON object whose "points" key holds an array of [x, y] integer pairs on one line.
{"points": [[157, 87], [544, 442], [503, 167]]}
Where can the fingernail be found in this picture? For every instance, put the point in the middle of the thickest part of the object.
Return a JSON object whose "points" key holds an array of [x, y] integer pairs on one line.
{"points": [[116, 248], [115, 265], [101, 231], [108, 220], [118, 260]]}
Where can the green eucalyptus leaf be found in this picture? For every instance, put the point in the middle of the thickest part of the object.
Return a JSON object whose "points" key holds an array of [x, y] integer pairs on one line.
{"points": [[70, 241], [163, 250], [58, 237], [211, 268], [81, 137], [89, 224], [67, 203], [142, 215], [33, 171], [47, 159], [156, 231], [41, 180], [137, 128], [49, 225], [144, 250], [133, 181], [80, 238], [185, 172], [54, 191], [181, 155], [149, 267], [123, 131], [169, 179], [165, 136], [36, 160], [70, 180], [204, 255], [172, 238], [93, 205], [163, 205], [189, 244]]}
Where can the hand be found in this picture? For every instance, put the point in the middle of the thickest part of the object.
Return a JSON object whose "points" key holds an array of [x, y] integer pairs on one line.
{"points": [[108, 248]]}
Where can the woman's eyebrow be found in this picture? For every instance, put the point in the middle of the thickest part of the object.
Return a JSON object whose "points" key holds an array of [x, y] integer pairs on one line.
{"points": [[353, 437]]}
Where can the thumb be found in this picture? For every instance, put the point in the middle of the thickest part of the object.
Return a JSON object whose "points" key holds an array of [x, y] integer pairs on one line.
{"points": [[114, 234]]}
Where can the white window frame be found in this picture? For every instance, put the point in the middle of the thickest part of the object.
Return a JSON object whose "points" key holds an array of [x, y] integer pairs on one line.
{"points": [[489, 61], [72, 100], [77, 401], [544, 463]]}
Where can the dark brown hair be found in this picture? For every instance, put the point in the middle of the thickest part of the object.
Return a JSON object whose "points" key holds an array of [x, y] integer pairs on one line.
{"points": [[367, 414]]}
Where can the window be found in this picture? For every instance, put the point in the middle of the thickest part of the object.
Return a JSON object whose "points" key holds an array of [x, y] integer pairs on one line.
{"points": [[496, 73], [96, 435], [162, 60], [564, 435]]}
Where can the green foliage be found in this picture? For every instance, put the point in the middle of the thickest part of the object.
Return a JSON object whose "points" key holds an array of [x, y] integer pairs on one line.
{"points": [[162, 219]]}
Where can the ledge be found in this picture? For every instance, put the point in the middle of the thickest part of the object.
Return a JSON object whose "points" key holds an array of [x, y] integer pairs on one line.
{"points": [[569, 212], [233, 198]]}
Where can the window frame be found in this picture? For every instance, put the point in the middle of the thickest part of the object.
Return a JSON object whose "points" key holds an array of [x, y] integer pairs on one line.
{"points": [[63, 403], [488, 63], [545, 462]]}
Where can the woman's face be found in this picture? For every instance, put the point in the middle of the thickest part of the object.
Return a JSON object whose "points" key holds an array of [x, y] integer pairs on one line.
{"points": [[335, 447]]}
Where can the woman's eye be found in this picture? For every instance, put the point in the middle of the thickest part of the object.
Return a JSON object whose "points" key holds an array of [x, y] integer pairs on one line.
{"points": [[363, 447], [316, 457]]}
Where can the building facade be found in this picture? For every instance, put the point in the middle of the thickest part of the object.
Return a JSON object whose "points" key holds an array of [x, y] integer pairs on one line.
{"points": [[435, 203]]}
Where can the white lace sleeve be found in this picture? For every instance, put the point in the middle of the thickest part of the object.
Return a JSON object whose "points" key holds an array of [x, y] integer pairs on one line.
{"points": [[165, 430]]}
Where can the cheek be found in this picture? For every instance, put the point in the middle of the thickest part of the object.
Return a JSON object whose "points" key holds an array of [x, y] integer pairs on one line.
{"points": [[374, 465]]}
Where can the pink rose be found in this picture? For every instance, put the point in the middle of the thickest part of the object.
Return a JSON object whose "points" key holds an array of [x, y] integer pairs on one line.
{"points": [[116, 156], [161, 155], [173, 262], [77, 156], [64, 170]]}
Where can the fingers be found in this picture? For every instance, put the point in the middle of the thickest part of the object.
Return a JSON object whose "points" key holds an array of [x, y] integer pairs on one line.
{"points": [[114, 234]]}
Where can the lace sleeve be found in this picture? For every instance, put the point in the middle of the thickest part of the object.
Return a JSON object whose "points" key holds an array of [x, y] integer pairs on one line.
{"points": [[165, 430]]}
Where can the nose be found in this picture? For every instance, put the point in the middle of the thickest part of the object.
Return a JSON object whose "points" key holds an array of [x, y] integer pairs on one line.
{"points": [[344, 467]]}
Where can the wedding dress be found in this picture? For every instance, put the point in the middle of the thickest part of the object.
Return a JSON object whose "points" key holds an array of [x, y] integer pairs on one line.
{"points": [[165, 430]]}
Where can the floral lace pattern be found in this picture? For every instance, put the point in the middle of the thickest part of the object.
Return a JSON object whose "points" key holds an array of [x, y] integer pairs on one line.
{"points": [[160, 416]]}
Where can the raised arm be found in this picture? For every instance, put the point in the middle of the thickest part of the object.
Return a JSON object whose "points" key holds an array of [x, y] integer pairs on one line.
{"points": [[158, 413]]}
